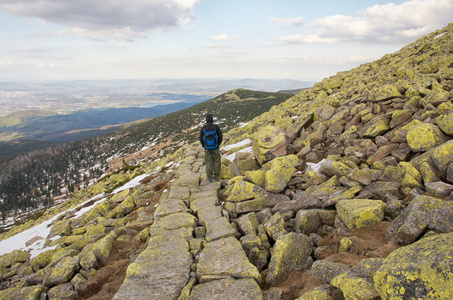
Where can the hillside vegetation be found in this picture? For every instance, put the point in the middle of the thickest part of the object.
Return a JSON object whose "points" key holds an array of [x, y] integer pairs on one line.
{"points": [[29, 180], [343, 191]]}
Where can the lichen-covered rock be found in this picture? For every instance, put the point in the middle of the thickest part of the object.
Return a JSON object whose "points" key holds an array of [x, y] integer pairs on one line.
{"points": [[257, 177], [445, 122], [359, 213], [435, 97], [228, 288], [291, 252], [354, 287], [424, 136], [275, 226], [376, 126], [269, 142], [322, 292], [19, 293], [423, 270], [326, 270], [248, 223], [422, 213], [309, 221], [62, 291], [96, 254], [61, 272], [384, 93], [243, 190], [281, 169], [15, 256], [223, 258], [331, 168], [439, 188]]}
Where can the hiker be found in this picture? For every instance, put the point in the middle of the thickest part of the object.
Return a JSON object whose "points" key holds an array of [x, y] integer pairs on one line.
{"points": [[210, 139]]}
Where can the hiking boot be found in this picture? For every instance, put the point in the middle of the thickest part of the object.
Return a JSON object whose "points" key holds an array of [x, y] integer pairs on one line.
{"points": [[216, 178], [210, 179]]}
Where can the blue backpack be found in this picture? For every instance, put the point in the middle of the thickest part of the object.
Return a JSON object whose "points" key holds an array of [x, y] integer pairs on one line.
{"points": [[210, 139]]}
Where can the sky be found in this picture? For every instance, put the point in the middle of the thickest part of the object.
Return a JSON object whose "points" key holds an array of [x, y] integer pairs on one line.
{"points": [[152, 39]]}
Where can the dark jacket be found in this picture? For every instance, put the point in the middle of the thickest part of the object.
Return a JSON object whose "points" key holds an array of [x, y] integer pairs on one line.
{"points": [[210, 126]]}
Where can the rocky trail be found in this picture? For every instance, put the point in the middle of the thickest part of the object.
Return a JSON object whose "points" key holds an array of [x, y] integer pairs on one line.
{"points": [[191, 242]]}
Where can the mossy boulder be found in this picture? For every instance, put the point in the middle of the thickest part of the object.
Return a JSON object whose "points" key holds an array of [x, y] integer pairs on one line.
{"points": [[359, 213], [435, 97], [423, 270], [15, 256], [268, 142], [424, 136], [291, 252], [275, 226]]}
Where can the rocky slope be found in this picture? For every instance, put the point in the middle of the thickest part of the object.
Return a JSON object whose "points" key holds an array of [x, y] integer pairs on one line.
{"points": [[343, 191]]}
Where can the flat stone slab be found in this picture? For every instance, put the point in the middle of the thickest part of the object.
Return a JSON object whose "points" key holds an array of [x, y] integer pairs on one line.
{"points": [[223, 258], [218, 228], [209, 213], [227, 288], [179, 192], [170, 206], [188, 179], [160, 272], [175, 221], [200, 203]]}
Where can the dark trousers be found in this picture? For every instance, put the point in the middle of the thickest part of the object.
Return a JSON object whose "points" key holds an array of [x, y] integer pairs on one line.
{"points": [[212, 160]]}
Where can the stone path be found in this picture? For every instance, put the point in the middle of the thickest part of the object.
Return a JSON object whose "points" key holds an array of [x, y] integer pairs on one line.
{"points": [[192, 252]]}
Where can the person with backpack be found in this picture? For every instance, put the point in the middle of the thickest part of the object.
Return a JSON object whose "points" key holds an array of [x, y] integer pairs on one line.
{"points": [[210, 139]]}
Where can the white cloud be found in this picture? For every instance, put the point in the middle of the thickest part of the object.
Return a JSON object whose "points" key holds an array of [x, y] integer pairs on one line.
{"points": [[297, 21], [223, 37], [115, 19], [380, 23]]}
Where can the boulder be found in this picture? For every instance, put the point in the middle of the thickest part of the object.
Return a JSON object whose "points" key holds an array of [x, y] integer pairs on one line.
{"points": [[227, 288], [354, 287], [423, 213], [243, 190], [268, 142], [291, 252], [383, 93], [445, 122], [96, 254], [424, 136], [281, 169], [423, 270], [28, 292], [359, 213], [62, 291], [61, 272], [376, 126], [326, 270], [275, 226]]}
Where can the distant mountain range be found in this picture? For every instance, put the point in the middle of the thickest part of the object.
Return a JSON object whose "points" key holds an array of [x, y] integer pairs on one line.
{"points": [[49, 126]]}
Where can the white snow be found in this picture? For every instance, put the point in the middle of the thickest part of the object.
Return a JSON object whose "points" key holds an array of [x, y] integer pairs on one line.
{"points": [[315, 167], [232, 156], [239, 144]]}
